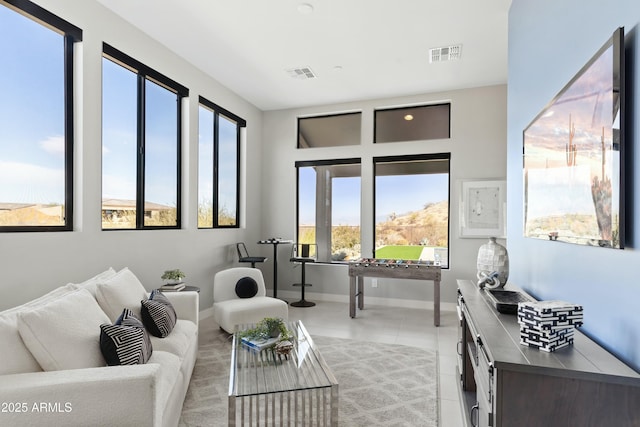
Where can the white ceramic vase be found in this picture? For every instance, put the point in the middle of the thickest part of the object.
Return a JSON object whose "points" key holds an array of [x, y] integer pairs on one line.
{"points": [[493, 262]]}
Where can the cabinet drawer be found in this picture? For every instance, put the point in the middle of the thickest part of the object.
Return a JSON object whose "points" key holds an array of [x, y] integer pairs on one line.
{"points": [[484, 410], [484, 371]]}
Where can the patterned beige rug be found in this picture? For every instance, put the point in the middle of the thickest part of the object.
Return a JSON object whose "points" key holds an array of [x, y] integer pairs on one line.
{"points": [[379, 384]]}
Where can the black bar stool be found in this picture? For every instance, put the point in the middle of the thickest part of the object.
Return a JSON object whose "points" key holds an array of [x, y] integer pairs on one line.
{"points": [[303, 253], [243, 255]]}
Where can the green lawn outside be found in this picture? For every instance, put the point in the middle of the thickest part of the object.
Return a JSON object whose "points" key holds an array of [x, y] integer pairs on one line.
{"points": [[399, 252]]}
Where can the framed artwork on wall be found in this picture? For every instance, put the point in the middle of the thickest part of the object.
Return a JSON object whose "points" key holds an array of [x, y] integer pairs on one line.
{"points": [[574, 157], [482, 209]]}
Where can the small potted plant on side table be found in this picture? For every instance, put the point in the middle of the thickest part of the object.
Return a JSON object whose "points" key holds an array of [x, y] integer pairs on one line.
{"points": [[173, 280]]}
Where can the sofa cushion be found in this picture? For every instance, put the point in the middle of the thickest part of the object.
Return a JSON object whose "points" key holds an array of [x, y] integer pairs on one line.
{"points": [[15, 356], [158, 315], [179, 340], [63, 333], [246, 287], [123, 290], [92, 284], [126, 342]]}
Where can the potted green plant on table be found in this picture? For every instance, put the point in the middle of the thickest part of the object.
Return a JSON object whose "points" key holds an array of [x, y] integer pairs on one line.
{"points": [[270, 332], [172, 277]]}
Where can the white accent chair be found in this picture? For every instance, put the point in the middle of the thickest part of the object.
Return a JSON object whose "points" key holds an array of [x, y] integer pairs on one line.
{"points": [[230, 309]]}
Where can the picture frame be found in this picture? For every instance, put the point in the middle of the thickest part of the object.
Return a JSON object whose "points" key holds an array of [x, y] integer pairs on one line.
{"points": [[483, 209]]}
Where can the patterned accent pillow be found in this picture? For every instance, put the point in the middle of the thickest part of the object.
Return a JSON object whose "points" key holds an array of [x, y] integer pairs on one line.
{"points": [[126, 342], [158, 315]]}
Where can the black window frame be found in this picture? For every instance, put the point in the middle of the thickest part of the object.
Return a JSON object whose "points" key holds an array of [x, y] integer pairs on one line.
{"points": [[409, 107], [326, 162], [299, 132], [72, 35], [409, 158], [145, 73], [240, 123]]}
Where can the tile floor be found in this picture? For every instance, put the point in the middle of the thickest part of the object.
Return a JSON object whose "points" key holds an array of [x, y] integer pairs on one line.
{"points": [[394, 325]]}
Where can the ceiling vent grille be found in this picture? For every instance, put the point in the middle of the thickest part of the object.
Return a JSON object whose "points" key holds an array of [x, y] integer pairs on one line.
{"points": [[301, 73], [447, 53]]}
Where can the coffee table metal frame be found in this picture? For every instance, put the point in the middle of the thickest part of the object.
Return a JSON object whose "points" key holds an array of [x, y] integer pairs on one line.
{"points": [[270, 389]]}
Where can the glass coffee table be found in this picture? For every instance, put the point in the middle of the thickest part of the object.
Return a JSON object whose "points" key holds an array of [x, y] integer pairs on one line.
{"points": [[270, 389]]}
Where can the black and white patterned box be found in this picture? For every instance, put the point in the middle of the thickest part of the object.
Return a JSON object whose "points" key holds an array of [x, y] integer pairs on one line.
{"points": [[548, 325], [550, 315]]}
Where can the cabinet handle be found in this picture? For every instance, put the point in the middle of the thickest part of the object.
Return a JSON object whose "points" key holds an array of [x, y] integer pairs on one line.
{"points": [[475, 408], [459, 348]]}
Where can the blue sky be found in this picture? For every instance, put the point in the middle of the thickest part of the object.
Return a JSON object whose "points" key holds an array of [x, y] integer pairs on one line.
{"points": [[32, 120], [399, 194]]}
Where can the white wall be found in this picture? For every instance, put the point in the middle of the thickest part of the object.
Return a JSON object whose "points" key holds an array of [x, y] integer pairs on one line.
{"points": [[542, 59], [478, 151], [33, 263]]}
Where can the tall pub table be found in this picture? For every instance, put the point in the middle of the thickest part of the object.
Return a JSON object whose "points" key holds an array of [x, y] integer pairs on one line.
{"points": [[275, 241]]}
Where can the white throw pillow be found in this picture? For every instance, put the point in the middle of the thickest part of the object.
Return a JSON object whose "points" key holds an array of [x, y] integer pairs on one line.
{"points": [[15, 356], [64, 333], [121, 291], [92, 284]]}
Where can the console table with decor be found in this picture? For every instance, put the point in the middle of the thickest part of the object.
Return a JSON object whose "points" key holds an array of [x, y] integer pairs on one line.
{"points": [[398, 269], [503, 383]]}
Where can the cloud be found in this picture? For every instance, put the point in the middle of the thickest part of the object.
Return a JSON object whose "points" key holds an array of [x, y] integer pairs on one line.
{"points": [[53, 145], [28, 183]]}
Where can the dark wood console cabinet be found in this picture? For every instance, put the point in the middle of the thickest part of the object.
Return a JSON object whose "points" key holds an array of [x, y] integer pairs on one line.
{"points": [[505, 384]]}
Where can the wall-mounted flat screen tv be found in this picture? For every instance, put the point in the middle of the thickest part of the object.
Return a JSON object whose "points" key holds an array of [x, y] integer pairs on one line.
{"points": [[573, 157]]}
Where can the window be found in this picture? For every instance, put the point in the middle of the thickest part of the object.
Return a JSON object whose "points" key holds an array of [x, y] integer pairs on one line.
{"points": [[329, 131], [36, 162], [413, 123], [218, 166], [141, 145], [328, 210], [412, 207]]}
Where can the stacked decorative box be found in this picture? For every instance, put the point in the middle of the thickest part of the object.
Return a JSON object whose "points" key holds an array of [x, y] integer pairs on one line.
{"points": [[548, 325]]}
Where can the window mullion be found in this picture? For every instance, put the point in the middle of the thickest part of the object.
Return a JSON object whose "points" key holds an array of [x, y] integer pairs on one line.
{"points": [[140, 197], [68, 130], [216, 146]]}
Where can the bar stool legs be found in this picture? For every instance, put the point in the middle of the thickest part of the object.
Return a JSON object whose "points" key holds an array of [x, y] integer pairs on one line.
{"points": [[303, 302]]}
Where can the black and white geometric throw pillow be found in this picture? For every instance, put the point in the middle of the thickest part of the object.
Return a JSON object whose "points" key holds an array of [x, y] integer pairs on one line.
{"points": [[158, 315], [126, 342]]}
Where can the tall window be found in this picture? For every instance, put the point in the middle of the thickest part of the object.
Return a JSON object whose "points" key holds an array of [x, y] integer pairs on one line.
{"points": [[36, 118], [141, 144], [412, 207], [218, 166], [328, 211]]}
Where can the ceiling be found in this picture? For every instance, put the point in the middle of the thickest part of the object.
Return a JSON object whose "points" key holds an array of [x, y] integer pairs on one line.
{"points": [[357, 49]]}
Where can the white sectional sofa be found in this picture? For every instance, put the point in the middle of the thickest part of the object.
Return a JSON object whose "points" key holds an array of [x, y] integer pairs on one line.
{"points": [[52, 370]]}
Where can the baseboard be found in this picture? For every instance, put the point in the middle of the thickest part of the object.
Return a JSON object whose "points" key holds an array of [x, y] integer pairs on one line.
{"points": [[206, 313], [386, 302]]}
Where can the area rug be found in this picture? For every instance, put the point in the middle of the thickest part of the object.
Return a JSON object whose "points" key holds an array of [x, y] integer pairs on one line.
{"points": [[379, 384]]}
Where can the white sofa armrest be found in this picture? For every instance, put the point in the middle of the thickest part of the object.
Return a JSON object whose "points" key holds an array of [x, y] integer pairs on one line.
{"points": [[186, 304], [114, 395]]}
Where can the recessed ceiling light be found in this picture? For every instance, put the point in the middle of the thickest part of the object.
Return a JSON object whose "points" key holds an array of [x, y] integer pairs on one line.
{"points": [[305, 8], [408, 117]]}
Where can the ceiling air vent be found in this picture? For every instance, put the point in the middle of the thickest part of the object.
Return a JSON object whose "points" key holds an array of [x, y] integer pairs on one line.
{"points": [[447, 53], [301, 73]]}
